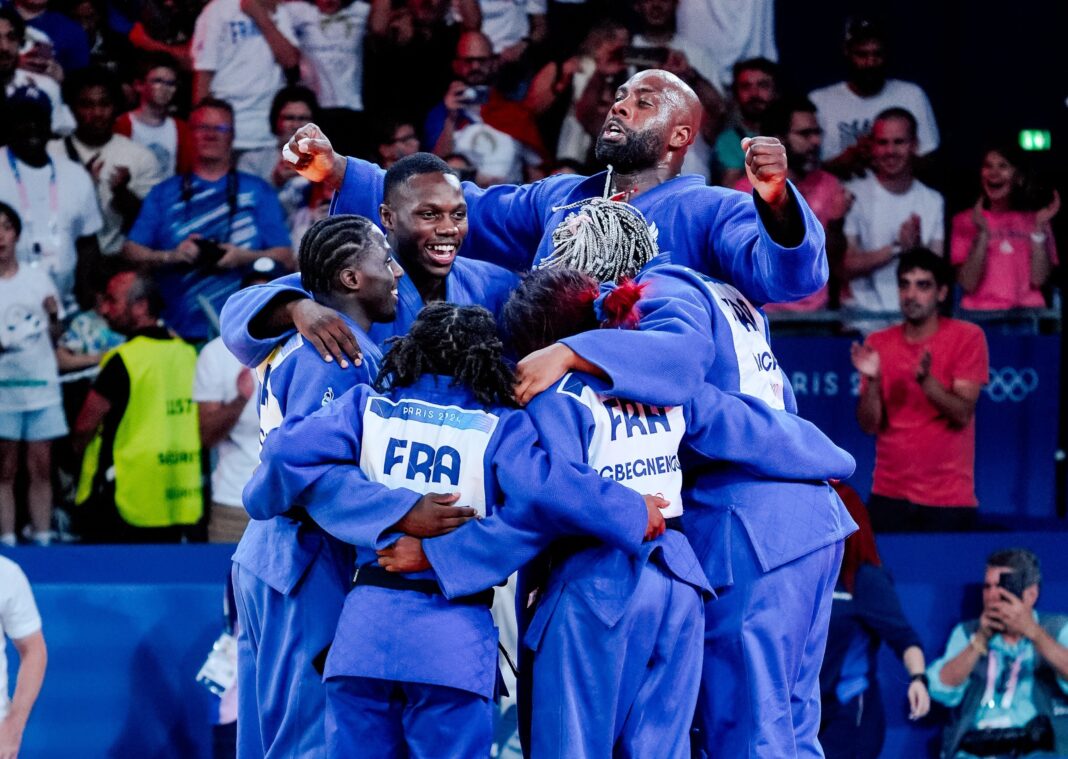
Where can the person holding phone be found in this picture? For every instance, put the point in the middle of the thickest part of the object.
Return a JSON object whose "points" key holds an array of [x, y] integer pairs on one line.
{"points": [[1004, 676]]}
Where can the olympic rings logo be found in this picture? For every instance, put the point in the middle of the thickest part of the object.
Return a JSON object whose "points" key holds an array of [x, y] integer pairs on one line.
{"points": [[1011, 384]]}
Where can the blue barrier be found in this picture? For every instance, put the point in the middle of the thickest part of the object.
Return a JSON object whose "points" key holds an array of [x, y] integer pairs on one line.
{"points": [[1018, 409], [128, 627]]}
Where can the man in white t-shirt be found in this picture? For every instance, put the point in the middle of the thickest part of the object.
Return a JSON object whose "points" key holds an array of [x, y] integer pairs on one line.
{"points": [[20, 621], [330, 36], [729, 31], [240, 50], [122, 170], [225, 392], [17, 82], [54, 197], [892, 212], [848, 109]]}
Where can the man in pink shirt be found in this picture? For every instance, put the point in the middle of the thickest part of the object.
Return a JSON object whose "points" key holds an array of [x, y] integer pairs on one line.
{"points": [[920, 381], [793, 121]]}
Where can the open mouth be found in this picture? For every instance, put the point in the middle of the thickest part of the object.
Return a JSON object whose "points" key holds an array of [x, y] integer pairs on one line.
{"points": [[613, 132], [442, 254]]}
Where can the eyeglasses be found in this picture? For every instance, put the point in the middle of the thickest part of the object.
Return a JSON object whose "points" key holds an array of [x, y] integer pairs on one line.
{"points": [[163, 82], [476, 60], [222, 129], [404, 138]]}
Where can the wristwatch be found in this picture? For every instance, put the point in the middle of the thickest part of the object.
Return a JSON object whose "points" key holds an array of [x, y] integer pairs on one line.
{"points": [[921, 677]]}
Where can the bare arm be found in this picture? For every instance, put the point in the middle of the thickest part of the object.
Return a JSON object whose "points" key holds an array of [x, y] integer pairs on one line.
{"points": [[1042, 242], [959, 668], [202, 84], [470, 14], [186, 252], [971, 271], [217, 418], [957, 403], [69, 361], [33, 658], [870, 410], [857, 262], [94, 409], [284, 51], [139, 38]]}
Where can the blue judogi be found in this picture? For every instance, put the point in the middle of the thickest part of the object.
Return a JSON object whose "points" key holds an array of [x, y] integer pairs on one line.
{"points": [[469, 283], [711, 229], [290, 577], [617, 638], [774, 543], [412, 673]]}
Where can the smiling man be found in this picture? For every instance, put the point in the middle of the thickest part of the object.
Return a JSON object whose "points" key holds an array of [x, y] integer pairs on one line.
{"points": [[920, 381], [424, 214]]}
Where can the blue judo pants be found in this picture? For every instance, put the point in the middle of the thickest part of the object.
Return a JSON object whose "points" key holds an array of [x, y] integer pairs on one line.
{"points": [[764, 641], [625, 691], [379, 719], [281, 699]]}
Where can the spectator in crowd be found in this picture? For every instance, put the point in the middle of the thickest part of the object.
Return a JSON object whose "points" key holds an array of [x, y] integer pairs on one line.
{"points": [[499, 136], [656, 44], [200, 231], [141, 473], [793, 121], [291, 108], [241, 51], [151, 123], [755, 87], [513, 27], [848, 109], [592, 80], [730, 31], [920, 381], [58, 45], [21, 622], [18, 83], [225, 394], [54, 197], [330, 36], [166, 26], [31, 406], [892, 212], [1002, 247], [107, 49], [1006, 670], [392, 140], [123, 171], [412, 42], [866, 613]]}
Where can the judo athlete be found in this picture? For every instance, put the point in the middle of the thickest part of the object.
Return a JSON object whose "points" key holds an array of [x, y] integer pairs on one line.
{"points": [[770, 546], [424, 214], [769, 245], [411, 673], [617, 639], [290, 577]]}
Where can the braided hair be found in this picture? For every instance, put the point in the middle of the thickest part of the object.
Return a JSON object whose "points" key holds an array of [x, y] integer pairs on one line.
{"points": [[457, 341], [331, 243], [551, 304], [607, 239]]}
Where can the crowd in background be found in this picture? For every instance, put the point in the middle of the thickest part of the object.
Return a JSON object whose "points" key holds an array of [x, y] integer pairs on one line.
{"points": [[145, 135]]}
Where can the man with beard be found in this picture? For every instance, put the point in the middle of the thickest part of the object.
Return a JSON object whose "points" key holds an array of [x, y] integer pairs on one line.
{"points": [[847, 109], [793, 120], [755, 88], [425, 217], [920, 381], [769, 245]]}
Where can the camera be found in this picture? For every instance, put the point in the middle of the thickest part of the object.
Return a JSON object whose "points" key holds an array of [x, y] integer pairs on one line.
{"points": [[208, 252], [476, 95]]}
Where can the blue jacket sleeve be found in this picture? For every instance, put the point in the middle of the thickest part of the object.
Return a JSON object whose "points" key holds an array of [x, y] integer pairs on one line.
{"points": [[361, 191], [243, 306], [354, 509], [663, 362], [753, 262], [880, 611], [547, 496], [734, 427]]}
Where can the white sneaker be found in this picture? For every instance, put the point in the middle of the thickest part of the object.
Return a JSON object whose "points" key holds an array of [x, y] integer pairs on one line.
{"points": [[8, 540], [43, 539]]}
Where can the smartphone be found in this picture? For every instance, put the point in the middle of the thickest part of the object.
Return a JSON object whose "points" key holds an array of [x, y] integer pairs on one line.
{"points": [[646, 57], [1012, 582], [477, 95], [208, 253]]}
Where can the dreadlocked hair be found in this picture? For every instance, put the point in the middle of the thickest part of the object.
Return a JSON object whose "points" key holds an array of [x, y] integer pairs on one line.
{"points": [[551, 304], [329, 244], [456, 341], [606, 239]]}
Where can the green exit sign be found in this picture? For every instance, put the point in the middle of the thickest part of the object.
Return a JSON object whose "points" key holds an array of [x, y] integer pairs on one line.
{"points": [[1034, 139]]}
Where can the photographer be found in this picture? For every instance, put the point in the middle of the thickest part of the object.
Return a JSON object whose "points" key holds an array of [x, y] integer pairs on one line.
{"points": [[1005, 675], [201, 231]]}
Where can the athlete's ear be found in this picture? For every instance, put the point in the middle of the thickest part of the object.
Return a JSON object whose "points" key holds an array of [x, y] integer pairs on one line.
{"points": [[681, 136], [349, 279], [387, 216]]}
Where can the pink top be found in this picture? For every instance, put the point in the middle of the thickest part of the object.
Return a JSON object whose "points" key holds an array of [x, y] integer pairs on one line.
{"points": [[819, 189], [1006, 281]]}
